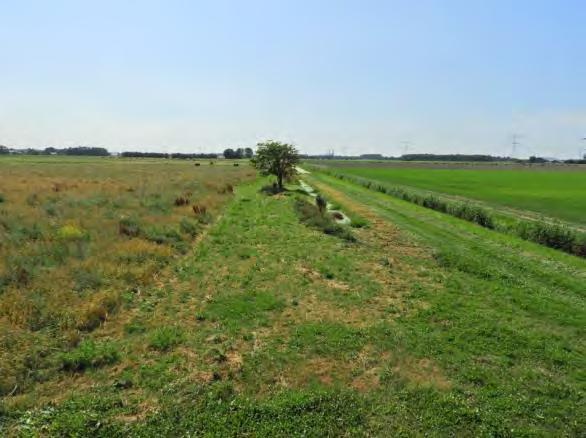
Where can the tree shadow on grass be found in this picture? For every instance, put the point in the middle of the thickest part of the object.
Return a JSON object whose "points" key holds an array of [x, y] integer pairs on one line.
{"points": [[273, 189]]}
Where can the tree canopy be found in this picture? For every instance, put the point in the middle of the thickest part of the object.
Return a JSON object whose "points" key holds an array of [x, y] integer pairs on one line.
{"points": [[275, 158], [238, 153]]}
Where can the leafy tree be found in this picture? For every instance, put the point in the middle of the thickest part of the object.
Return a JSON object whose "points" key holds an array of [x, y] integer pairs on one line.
{"points": [[248, 153], [85, 150], [231, 154], [4, 150], [275, 158]]}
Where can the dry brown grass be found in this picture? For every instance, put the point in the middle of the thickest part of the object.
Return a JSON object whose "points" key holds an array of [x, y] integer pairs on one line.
{"points": [[65, 259]]}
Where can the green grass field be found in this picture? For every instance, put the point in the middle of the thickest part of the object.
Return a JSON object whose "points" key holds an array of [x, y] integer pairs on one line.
{"points": [[425, 325], [553, 193]]}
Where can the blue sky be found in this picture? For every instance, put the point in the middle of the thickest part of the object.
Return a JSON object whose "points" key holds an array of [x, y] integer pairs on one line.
{"points": [[354, 76]]}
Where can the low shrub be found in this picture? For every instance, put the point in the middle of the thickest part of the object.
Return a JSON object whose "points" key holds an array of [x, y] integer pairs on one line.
{"points": [[471, 213], [165, 338], [553, 235], [434, 203], [19, 233], [73, 240], [579, 246], [202, 214], [70, 233], [156, 204], [134, 327], [162, 234], [310, 215], [51, 208], [199, 209], [90, 354], [181, 201], [59, 187], [32, 199], [87, 279], [96, 313], [189, 226], [2, 198], [227, 188], [20, 270], [129, 227]]}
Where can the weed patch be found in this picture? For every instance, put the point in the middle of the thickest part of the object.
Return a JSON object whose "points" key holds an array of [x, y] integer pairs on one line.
{"points": [[326, 338], [311, 216], [87, 279], [190, 227], [245, 309], [165, 338], [129, 227], [90, 354]]}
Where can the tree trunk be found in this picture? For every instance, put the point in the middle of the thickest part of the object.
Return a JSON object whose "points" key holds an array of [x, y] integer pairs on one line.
{"points": [[280, 182]]}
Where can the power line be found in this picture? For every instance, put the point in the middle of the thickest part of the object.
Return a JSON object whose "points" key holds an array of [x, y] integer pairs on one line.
{"points": [[406, 145], [515, 144]]}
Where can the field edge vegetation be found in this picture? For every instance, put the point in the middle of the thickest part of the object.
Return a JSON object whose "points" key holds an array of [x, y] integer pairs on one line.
{"points": [[272, 325], [554, 235]]}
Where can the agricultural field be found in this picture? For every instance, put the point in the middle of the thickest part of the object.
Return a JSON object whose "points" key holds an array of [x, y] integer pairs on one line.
{"points": [[556, 191], [80, 236], [158, 298]]}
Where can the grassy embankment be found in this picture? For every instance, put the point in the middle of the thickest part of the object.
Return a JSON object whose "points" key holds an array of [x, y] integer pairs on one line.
{"points": [[275, 328], [554, 193], [547, 231]]}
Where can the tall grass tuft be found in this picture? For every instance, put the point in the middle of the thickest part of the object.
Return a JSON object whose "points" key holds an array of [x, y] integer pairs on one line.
{"points": [[90, 354], [553, 235], [129, 227], [165, 338]]}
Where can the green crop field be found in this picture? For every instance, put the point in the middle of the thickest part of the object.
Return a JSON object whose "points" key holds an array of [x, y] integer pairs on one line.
{"points": [[554, 192], [157, 298]]}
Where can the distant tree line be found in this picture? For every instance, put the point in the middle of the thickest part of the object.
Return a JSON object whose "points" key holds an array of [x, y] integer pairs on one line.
{"points": [[101, 152], [534, 159], [410, 157], [176, 155], [248, 153], [78, 150], [452, 157], [332, 157], [234, 154]]}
